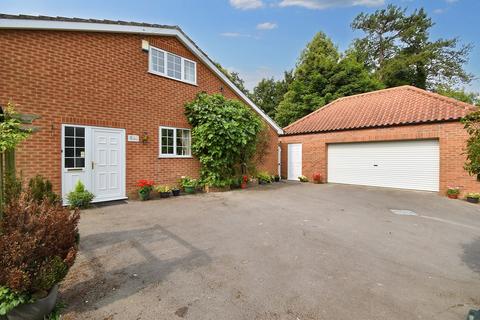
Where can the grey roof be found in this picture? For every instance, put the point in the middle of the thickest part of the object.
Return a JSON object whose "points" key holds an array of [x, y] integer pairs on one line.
{"points": [[66, 19]]}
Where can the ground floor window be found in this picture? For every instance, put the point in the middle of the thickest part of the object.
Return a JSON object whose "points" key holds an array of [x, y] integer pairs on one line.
{"points": [[175, 142], [74, 147]]}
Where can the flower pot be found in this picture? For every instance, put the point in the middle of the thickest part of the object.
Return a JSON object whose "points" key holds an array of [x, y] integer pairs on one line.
{"points": [[261, 182], [277, 179], [472, 200], [453, 196], [243, 185], [36, 310], [189, 190], [176, 192], [144, 195], [165, 194]]}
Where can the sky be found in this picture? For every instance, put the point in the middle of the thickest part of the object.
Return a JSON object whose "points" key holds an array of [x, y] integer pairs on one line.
{"points": [[263, 38]]}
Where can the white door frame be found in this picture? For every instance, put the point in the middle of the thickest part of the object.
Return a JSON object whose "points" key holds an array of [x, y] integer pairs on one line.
{"points": [[290, 174], [279, 161], [88, 173]]}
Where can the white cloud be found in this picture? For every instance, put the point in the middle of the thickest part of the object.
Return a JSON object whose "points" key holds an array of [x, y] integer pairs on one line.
{"points": [[246, 4], [324, 4], [451, 1], [266, 26], [234, 34], [439, 11]]}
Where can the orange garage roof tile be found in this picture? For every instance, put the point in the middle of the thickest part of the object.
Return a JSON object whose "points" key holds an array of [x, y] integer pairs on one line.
{"points": [[389, 107]]}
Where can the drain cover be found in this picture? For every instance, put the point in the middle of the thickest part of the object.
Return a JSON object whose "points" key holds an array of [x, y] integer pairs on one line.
{"points": [[401, 212]]}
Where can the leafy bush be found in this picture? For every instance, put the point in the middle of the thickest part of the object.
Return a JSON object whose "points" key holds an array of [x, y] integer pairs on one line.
{"points": [[472, 125], [80, 197], [160, 189], [474, 195], [264, 177], [224, 136], [41, 188], [10, 299], [188, 182], [303, 179], [38, 242], [453, 191]]}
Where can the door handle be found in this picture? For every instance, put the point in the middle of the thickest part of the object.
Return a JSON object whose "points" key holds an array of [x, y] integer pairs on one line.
{"points": [[375, 165], [93, 165]]}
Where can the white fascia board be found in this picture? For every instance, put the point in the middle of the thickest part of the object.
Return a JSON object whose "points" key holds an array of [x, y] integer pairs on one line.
{"points": [[104, 27]]}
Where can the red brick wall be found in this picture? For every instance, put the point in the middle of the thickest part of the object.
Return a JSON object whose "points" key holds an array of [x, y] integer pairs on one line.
{"points": [[451, 135], [101, 79]]}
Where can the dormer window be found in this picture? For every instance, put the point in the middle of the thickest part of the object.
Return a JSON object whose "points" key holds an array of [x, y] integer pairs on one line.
{"points": [[166, 64]]}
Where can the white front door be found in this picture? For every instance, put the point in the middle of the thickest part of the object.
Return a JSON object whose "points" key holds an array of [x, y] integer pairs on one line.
{"points": [[294, 161], [96, 157], [399, 164]]}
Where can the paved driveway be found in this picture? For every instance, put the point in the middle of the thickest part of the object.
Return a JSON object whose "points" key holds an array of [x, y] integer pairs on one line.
{"points": [[284, 251]]}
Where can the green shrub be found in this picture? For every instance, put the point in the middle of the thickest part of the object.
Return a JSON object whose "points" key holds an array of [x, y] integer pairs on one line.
{"points": [[264, 177], [80, 197], [10, 299], [51, 271], [41, 189], [224, 136], [188, 182], [303, 179]]}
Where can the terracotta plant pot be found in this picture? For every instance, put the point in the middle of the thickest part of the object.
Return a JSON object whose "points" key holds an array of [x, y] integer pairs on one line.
{"points": [[36, 310], [243, 185], [453, 196]]}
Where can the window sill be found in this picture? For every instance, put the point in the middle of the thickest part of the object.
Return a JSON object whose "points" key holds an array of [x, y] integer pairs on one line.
{"points": [[172, 78], [173, 157]]}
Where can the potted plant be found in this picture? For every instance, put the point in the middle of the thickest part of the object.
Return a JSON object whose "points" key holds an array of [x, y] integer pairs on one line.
{"points": [[164, 191], [39, 243], [243, 185], [453, 192], [188, 184], [276, 178], [317, 178], [176, 191], [145, 187], [264, 178], [303, 179], [80, 197], [473, 197]]}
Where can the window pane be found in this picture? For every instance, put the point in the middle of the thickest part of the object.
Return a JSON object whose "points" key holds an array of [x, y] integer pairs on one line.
{"points": [[170, 150], [69, 131], [79, 152], [189, 70], [79, 162], [69, 142], [158, 60], [69, 163], [80, 132], [69, 152], [174, 66], [79, 142]]}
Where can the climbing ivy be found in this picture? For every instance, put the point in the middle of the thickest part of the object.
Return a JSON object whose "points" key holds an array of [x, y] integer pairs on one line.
{"points": [[471, 123], [224, 136]]}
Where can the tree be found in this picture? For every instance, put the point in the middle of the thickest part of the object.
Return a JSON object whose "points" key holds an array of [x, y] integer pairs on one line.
{"points": [[235, 78], [269, 93], [397, 47], [322, 75], [472, 125], [459, 94]]}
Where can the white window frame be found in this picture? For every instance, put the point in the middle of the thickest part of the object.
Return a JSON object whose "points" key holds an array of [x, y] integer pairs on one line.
{"points": [[175, 155], [165, 59]]}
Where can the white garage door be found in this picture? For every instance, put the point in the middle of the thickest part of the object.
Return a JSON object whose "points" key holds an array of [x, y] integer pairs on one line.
{"points": [[401, 164], [294, 161]]}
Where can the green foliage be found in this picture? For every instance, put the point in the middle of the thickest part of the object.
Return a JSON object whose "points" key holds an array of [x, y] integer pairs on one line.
{"points": [[264, 177], [397, 47], [460, 94], [474, 195], [41, 189], [453, 191], [162, 189], [269, 93], [188, 182], [234, 77], [80, 197], [10, 299], [224, 136], [52, 271], [321, 76], [11, 130], [303, 179], [56, 313], [471, 123]]}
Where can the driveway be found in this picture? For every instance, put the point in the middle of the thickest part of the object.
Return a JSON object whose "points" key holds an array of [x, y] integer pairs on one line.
{"points": [[282, 251]]}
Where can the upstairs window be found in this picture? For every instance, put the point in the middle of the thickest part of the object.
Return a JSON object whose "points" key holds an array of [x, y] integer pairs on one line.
{"points": [[172, 66]]}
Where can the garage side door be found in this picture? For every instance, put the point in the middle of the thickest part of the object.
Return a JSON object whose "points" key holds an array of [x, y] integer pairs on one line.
{"points": [[401, 164], [294, 161]]}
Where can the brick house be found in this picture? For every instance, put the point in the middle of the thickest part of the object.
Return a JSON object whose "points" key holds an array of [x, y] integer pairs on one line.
{"points": [[401, 137], [110, 96]]}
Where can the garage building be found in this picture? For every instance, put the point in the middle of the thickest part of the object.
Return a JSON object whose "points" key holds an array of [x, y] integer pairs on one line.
{"points": [[401, 137]]}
